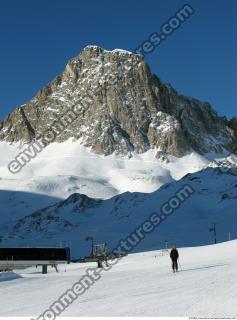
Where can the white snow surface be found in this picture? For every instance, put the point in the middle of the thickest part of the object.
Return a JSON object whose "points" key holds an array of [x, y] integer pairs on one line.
{"points": [[213, 199], [114, 50], [64, 168], [140, 284]]}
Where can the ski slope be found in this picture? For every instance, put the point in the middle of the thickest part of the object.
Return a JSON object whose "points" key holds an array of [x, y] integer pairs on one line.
{"points": [[141, 284]]}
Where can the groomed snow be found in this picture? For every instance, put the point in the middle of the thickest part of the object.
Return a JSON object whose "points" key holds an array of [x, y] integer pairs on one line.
{"points": [[139, 285]]}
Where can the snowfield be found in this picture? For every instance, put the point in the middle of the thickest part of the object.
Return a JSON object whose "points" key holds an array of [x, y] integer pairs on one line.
{"points": [[141, 284], [63, 168], [123, 194], [210, 196]]}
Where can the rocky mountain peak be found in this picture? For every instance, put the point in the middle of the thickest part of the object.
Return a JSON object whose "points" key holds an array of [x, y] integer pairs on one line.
{"points": [[128, 110]]}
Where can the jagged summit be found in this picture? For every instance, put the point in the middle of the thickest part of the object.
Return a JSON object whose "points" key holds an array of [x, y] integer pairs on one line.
{"points": [[131, 110], [99, 49]]}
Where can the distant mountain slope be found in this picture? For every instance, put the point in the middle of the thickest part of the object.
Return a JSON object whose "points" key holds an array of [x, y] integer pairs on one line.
{"points": [[214, 200], [16, 204]]}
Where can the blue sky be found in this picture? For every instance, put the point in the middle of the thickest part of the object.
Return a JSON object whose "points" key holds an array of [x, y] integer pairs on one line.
{"points": [[39, 37]]}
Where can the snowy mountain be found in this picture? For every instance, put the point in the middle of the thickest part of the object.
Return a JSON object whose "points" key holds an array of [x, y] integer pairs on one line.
{"points": [[120, 107], [213, 199], [108, 126]]}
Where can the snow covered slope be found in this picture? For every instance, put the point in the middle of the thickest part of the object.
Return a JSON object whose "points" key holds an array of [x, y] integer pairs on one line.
{"points": [[214, 199], [115, 128], [64, 168], [139, 285]]}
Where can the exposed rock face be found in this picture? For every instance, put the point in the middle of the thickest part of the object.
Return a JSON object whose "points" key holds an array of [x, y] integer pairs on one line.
{"points": [[125, 108], [233, 125]]}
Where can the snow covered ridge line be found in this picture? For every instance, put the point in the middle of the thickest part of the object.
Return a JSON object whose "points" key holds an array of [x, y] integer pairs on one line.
{"points": [[92, 275], [225, 166], [166, 29]]}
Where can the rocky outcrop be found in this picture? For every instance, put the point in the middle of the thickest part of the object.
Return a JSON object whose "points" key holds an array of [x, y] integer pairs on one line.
{"points": [[124, 109], [233, 125], [40, 220]]}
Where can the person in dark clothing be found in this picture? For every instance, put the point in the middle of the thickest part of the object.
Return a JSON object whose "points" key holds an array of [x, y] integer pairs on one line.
{"points": [[174, 255]]}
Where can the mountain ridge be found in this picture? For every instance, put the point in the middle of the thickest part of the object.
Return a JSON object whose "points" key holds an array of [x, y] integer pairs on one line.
{"points": [[131, 111], [213, 198]]}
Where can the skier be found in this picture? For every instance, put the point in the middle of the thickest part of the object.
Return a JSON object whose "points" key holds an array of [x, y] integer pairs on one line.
{"points": [[174, 255]]}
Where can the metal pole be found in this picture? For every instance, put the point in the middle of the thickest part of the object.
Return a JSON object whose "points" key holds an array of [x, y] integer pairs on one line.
{"points": [[92, 246], [44, 268], [213, 229]]}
